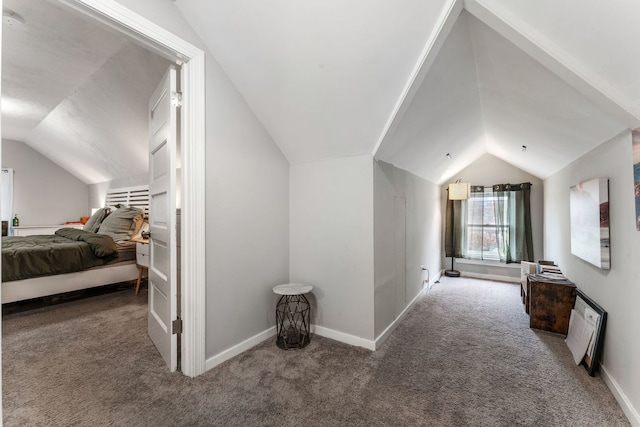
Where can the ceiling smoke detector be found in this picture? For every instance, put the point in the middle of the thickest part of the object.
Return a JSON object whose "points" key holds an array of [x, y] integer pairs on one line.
{"points": [[12, 19]]}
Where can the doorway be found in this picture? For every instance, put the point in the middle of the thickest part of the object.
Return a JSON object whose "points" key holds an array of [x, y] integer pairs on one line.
{"points": [[191, 59]]}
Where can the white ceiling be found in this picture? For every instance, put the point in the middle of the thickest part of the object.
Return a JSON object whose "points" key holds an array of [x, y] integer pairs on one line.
{"points": [[485, 95], [76, 92], [326, 78], [44, 61], [408, 81], [322, 76]]}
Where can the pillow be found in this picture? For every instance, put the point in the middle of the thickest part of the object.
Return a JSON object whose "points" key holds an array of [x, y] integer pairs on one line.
{"points": [[122, 223], [138, 235], [96, 219]]}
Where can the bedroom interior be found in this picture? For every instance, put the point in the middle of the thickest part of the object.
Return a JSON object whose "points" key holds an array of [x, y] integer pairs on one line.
{"points": [[79, 97], [478, 79]]}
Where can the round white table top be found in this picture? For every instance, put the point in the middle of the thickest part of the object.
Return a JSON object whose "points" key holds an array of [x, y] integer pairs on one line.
{"points": [[292, 289]]}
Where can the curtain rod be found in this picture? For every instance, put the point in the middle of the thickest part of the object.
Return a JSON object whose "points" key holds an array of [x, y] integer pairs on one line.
{"points": [[491, 186]]}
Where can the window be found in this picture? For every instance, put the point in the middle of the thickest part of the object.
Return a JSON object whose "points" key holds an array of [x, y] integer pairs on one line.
{"points": [[486, 222], [6, 194], [494, 224]]}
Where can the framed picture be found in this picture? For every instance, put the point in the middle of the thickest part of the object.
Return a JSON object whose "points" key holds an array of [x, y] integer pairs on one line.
{"points": [[595, 317], [589, 206], [635, 149]]}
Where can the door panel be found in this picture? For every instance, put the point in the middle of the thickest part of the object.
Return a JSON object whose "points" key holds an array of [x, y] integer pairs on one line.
{"points": [[163, 292]]}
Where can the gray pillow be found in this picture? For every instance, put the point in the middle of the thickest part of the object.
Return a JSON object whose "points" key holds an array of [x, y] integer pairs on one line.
{"points": [[96, 219], [122, 223]]}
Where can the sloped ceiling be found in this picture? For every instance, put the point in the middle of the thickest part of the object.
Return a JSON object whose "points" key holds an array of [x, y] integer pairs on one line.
{"points": [[45, 60], [76, 92], [407, 81], [485, 95], [322, 76], [412, 81]]}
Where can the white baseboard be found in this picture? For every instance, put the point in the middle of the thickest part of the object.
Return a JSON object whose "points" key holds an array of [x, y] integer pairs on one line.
{"points": [[319, 330], [239, 348], [496, 277], [435, 280], [343, 337], [245, 345], [385, 334], [628, 409]]}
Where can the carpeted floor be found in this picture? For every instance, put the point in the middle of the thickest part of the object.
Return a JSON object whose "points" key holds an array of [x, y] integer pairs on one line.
{"points": [[464, 356]]}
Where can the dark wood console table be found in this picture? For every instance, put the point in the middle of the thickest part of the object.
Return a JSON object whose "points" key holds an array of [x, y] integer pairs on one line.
{"points": [[550, 303]]}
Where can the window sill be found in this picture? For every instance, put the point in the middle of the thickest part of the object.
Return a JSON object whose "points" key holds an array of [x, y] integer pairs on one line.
{"points": [[487, 263]]}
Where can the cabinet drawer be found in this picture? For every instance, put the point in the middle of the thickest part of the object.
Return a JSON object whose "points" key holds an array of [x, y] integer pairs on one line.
{"points": [[142, 254]]}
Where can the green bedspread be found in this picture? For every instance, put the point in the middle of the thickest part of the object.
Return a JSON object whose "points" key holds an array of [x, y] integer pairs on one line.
{"points": [[66, 251]]}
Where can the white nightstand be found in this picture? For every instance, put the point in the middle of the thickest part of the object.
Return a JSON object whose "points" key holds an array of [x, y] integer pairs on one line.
{"points": [[142, 260]]}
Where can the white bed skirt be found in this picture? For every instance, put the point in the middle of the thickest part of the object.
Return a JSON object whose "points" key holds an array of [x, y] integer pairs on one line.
{"points": [[19, 290]]}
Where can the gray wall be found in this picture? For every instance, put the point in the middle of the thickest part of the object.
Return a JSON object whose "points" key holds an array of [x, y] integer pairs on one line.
{"points": [[332, 241], [43, 192], [422, 243], [486, 171], [247, 202], [616, 290]]}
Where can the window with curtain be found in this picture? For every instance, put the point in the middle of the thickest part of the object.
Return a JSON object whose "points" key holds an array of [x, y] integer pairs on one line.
{"points": [[6, 195], [483, 230], [493, 224]]}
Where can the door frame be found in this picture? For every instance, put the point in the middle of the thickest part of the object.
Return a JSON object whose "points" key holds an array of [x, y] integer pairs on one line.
{"points": [[192, 135]]}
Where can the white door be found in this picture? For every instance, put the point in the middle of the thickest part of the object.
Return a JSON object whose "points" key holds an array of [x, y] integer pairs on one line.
{"points": [[163, 285]]}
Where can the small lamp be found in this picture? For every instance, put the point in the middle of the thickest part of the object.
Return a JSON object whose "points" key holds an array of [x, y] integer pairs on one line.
{"points": [[457, 191]]}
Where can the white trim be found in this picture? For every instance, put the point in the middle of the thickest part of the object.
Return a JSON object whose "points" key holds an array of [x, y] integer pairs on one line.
{"points": [[1, 405], [193, 163], [495, 277], [497, 264], [237, 349], [343, 337], [589, 84], [436, 279], [193, 258], [624, 402], [247, 344], [443, 27], [385, 334]]}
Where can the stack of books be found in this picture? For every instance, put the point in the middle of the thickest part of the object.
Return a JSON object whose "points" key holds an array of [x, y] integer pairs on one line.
{"points": [[552, 272]]}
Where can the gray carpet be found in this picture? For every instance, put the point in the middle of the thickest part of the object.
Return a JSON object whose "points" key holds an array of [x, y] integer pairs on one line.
{"points": [[463, 356]]}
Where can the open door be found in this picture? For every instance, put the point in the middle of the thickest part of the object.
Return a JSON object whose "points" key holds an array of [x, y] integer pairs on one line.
{"points": [[163, 283]]}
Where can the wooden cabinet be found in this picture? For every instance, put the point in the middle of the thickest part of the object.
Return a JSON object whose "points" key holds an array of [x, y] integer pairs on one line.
{"points": [[550, 303]]}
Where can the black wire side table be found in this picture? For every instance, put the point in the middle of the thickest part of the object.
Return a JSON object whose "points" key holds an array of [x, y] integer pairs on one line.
{"points": [[293, 316]]}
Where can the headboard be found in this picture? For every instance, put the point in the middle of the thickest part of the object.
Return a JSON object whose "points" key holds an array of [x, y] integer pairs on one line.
{"points": [[138, 197]]}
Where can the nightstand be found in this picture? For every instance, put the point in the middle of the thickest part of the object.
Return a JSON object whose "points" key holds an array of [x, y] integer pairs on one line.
{"points": [[142, 260]]}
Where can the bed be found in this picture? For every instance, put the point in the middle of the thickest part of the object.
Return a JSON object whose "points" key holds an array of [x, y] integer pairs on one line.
{"points": [[106, 267]]}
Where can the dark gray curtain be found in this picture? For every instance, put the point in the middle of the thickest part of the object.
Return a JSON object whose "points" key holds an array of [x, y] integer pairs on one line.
{"points": [[513, 204], [453, 218]]}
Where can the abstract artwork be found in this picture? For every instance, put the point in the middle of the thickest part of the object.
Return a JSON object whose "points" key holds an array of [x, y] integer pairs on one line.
{"points": [[589, 205], [635, 149]]}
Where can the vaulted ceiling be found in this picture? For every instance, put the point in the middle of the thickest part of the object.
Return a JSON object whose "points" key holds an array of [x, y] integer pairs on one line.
{"points": [[411, 81], [76, 92], [407, 81]]}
